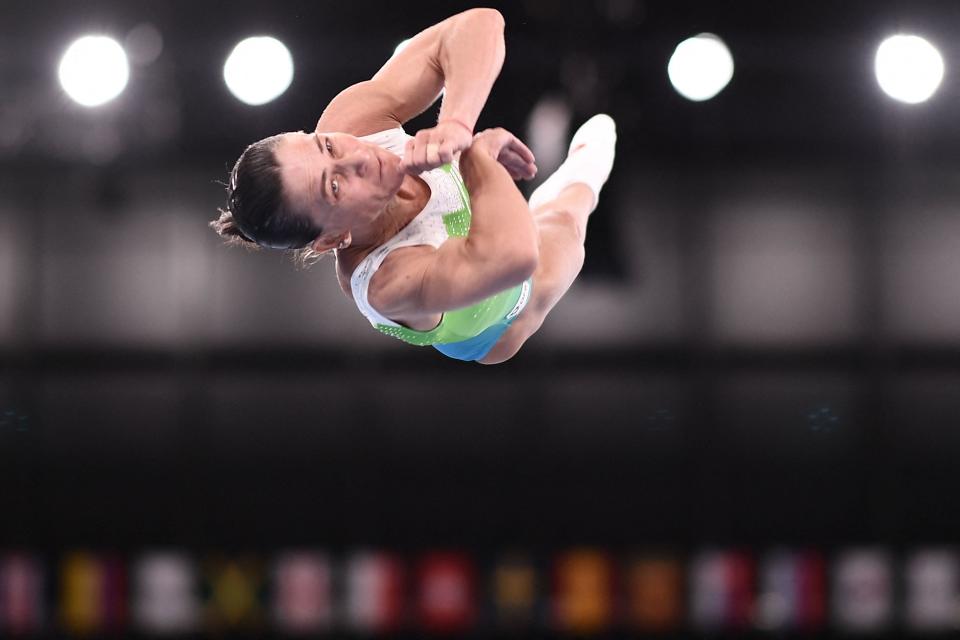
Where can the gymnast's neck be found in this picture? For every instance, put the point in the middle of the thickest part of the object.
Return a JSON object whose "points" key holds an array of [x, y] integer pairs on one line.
{"points": [[406, 204]]}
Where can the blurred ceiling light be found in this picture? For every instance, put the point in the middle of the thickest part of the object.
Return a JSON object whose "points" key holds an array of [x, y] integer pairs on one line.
{"points": [[548, 133], [908, 68], [700, 67], [94, 70], [258, 70]]}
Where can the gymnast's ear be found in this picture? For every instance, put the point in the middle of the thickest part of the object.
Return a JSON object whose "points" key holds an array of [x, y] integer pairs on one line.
{"points": [[325, 242]]}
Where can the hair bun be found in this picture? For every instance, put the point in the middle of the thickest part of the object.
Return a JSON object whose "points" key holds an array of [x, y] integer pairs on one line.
{"points": [[226, 227]]}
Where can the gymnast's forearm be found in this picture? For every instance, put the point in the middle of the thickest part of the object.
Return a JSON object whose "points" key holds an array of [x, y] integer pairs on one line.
{"points": [[470, 56], [501, 229]]}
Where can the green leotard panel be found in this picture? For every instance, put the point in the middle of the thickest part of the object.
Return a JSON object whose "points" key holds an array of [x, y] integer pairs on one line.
{"points": [[460, 324]]}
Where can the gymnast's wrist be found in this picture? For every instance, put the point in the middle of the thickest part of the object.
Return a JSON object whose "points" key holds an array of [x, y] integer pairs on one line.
{"points": [[458, 122]]}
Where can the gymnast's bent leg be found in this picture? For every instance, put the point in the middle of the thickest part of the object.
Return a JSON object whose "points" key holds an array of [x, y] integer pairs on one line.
{"points": [[561, 207]]}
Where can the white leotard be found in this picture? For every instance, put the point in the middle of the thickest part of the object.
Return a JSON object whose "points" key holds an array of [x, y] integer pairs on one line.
{"points": [[428, 227]]}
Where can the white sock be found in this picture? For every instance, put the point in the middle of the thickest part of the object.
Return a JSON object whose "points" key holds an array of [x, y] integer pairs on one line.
{"points": [[589, 161]]}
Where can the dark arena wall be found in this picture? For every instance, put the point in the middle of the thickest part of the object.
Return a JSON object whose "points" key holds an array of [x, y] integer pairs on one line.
{"points": [[742, 419]]}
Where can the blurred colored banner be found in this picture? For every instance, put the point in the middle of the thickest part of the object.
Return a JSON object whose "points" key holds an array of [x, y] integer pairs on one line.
{"points": [[22, 608], [932, 594], [446, 594], [862, 591], [514, 593], [654, 588], [583, 592], [92, 593], [235, 588], [302, 598], [165, 594], [792, 592], [374, 592], [721, 591]]}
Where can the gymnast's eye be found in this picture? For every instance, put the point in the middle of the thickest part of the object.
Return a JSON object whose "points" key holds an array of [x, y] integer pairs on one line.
{"points": [[335, 187], [329, 146]]}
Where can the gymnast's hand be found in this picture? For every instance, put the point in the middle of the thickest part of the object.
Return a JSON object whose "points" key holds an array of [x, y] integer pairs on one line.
{"points": [[435, 147], [508, 150]]}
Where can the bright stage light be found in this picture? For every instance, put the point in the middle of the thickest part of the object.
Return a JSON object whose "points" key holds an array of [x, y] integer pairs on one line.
{"points": [[258, 70], [909, 68], [94, 70], [700, 67]]}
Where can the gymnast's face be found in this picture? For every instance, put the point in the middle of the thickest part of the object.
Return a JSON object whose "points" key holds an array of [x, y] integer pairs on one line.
{"points": [[337, 179]]}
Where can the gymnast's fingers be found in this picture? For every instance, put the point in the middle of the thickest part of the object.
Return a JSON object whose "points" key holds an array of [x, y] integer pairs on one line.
{"points": [[420, 150], [447, 149], [517, 165], [433, 154], [407, 162], [516, 145]]}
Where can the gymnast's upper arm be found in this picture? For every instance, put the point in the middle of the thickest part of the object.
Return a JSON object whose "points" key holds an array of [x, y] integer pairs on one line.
{"points": [[452, 277], [403, 88]]}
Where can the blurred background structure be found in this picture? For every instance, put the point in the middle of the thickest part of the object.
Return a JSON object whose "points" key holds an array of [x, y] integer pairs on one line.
{"points": [[763, 348]]}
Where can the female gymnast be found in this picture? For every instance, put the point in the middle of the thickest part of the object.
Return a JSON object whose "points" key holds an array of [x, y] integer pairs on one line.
{"points": [[432, 239]]}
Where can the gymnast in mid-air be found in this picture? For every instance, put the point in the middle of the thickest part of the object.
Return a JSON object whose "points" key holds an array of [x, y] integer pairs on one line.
{"points": [[432, 239]]}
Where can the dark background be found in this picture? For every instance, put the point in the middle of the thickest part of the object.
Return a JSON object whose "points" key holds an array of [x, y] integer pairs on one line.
{"points": [[763, 348]]}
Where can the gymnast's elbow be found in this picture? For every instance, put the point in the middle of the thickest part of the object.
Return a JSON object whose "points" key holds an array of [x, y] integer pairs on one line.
{"points": [[504, 264], [487, 15], [521, 263]]}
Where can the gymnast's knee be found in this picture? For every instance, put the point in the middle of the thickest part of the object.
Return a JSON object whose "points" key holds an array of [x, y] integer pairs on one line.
{"points": [[527, 324], [500, 354], [562, 218]]}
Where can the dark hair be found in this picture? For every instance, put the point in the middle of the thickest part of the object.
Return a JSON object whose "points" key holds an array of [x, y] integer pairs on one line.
{"points": [[256, 210]]}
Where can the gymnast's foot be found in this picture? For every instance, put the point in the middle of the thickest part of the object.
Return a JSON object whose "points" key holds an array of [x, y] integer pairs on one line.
{"points": [[589, 161]]}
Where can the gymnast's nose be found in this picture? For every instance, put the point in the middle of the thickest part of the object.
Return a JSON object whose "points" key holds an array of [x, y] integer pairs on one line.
{"points": [[358, 159]]}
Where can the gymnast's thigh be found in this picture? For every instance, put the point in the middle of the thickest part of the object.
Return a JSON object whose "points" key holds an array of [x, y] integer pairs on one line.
{"points": [[526, 324]]}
